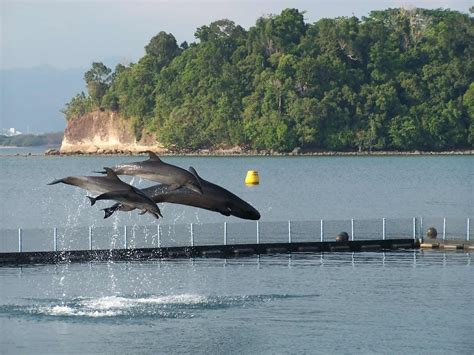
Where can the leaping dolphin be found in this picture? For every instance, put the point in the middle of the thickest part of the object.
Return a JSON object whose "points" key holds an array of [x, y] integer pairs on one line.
{"points": [[214, 198], [93, 184], [110, 187], [155, 169], [130, 196]]}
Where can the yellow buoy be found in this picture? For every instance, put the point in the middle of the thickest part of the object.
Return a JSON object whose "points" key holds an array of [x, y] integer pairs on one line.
{"points": [[252, 178]]}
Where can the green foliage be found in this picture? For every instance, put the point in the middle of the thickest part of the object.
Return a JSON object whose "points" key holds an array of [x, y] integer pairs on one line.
{"points": [[396, 79], [78, 106], [31, 140], [98, 81]]}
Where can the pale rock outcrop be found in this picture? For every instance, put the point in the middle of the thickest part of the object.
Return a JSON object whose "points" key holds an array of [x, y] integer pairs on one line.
{"points": [[105, 132]]}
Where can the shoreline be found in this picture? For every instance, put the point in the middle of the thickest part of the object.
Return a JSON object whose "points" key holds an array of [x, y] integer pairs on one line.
{"points": [[223, 153]]}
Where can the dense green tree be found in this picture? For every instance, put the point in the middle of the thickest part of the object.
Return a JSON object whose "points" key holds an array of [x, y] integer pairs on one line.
{"points": [[395, 79], [98, 81], [78, 106]]}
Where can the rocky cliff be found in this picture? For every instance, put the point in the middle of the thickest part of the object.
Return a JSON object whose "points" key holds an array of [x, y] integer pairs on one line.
{"points": [[104, 133]]}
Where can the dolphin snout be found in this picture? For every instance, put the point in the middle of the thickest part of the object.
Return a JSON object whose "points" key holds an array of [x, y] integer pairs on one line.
{"points": [[246, 213]]}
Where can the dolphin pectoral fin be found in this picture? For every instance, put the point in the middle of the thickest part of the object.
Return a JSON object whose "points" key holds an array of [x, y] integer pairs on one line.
{"points": [[225, 211], [155, 214], [110, 210], [142, 212]]}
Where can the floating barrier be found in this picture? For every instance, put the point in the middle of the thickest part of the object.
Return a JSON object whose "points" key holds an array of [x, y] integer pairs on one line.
{"points": [[239, 239], [206, 251], [448, 245]]}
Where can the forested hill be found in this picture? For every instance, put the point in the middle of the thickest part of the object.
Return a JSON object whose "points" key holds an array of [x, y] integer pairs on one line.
{"points": [[396, 80]]}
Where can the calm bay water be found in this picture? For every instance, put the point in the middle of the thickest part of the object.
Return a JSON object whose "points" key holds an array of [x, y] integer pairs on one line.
{"points": [[296, 188], [408, 302], [404, 302]]}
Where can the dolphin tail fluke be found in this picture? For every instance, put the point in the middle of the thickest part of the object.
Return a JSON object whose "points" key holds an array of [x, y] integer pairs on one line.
{"points": [[56, 182], [92, 199], [109, 211]]}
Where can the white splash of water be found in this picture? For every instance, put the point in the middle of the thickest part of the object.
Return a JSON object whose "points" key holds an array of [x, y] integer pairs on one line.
{"points": [[196, 214], [111, 306], [116, 302], [62, 310]]}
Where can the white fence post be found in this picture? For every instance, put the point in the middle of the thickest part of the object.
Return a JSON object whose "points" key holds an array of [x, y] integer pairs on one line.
{"points": [[421, 227], [20, 241], [289, 231], [192, 235], [258, 233], [383, 228], [55, 239], [158, 235], [225, 233], [90, 238], [468, 231], [125, 237], [444, 228], [322, 230], [352, 229]]}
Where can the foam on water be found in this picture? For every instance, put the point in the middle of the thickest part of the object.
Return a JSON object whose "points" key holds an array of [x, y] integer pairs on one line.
{"points": [[115, 302], [165, 306]]}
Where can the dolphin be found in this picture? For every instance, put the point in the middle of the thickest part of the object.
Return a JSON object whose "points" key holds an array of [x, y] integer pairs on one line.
{"points": [[129, 196], [111, 187], [93, 184], [155, 169], [214, 198]]}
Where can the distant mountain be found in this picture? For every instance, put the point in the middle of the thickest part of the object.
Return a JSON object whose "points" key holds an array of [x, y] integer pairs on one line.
{"points": [[31, 98]]}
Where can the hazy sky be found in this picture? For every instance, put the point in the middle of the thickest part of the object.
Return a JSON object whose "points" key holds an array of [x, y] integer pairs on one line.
{"points": [[71, 33]]}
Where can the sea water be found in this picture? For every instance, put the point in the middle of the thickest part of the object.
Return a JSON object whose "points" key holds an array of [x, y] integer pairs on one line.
{"points": [[400, 302], [404, 302], [291, 188]]}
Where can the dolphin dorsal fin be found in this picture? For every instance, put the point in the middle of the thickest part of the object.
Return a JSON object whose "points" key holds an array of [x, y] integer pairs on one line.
{"points": [[153, 156], [111, 174], [194, 172]]}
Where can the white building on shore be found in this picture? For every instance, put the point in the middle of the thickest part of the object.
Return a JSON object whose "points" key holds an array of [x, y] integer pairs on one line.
{"points": [[9, 132]]}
